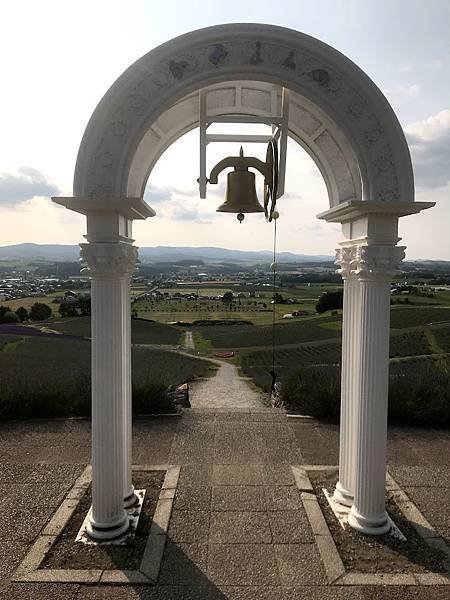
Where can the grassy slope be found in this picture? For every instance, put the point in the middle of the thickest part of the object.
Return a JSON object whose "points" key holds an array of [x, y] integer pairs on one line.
{"points": [[51, 376], [142, 332]]}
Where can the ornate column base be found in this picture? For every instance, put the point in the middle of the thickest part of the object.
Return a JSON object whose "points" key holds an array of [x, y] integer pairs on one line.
{"points": [[130, 499], [343, 496], [378, 525], [108, 531]]}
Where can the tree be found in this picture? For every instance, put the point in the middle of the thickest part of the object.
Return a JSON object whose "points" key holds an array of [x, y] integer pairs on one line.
{"points": [[227, 298], [84, 304], [278, 298], [3, 311], [22, 313], [330, 301], [10, 317], [40, 312], [68, 309]]}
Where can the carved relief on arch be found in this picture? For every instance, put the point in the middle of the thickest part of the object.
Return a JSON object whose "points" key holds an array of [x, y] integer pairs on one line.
{"points": [[265, 52]]}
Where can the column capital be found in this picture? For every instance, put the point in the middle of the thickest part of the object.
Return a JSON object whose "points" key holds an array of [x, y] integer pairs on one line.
{"points": [[369, 262], [109, 260]]}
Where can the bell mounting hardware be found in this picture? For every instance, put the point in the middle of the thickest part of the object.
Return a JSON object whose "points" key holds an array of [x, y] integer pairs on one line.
{"points": [[241, 192]]}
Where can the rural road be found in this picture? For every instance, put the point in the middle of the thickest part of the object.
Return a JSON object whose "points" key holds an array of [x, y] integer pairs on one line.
{"points": [[225, 390]]}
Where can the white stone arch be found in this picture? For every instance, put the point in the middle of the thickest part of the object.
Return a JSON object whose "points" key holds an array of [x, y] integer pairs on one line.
{"points": [[365, 161], [308, 126], [308, 67]]}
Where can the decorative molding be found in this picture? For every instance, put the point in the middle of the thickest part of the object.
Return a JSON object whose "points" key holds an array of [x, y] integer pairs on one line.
{"points": [[369, 262], [303, 64], [109, 260]]}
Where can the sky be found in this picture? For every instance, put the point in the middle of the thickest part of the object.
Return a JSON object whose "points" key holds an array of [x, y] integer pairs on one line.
{"points": [[60, 57]]}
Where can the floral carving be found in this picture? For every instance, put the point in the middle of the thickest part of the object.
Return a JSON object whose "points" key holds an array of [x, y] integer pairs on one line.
{"points": [[373, 134], [136, 101], [178, 68], [256, 59], [299, 64], [217, 55], [109, 260], [118, 128], [366, 262], [356, 106], [384, 163], [321, 77], [289, 61]]}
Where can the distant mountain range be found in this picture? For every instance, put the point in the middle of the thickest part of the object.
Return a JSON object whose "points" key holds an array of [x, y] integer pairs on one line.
{"points": [[58, 253], [167, 254]]}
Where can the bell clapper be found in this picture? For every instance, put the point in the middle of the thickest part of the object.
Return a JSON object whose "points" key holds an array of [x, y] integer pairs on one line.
{"points": [[240, 217]]}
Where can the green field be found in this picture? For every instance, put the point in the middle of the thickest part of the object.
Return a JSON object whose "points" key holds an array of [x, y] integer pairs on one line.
{"points": [[258, 309], [142, 332], [292, 332], [414, 316]]}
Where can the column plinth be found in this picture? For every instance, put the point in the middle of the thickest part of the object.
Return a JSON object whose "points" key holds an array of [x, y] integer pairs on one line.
{"points": [[110, 266]]}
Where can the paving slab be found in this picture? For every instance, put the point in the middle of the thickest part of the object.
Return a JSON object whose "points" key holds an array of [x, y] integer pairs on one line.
{"points": [[39, 591], [290, 527], [299, 563], [237, 475], [243, 565], [238, 498], [239, 527], [184, 564], [189, 526], [282, 497], [193, 497]]}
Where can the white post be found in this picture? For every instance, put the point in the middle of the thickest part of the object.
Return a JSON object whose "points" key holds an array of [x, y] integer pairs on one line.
{"points": [[345, 487], [375, 266], [110, 266]]}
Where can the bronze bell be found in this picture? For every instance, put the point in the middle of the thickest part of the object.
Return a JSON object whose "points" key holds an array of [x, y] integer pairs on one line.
{"points": [[240, 196]]}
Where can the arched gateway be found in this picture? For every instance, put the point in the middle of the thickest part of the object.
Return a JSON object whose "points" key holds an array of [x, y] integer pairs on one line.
{"points": [[346, 124]]}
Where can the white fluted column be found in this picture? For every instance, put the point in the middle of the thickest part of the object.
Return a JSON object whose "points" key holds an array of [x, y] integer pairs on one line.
{"points": [[130, 497], [345, 487], [110, 265], [374, 267]]}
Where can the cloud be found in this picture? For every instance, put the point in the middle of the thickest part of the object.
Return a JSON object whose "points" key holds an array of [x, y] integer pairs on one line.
{"points": [[403, 92], [429, 141], [182, 204], [27, 183], [159, 194]]}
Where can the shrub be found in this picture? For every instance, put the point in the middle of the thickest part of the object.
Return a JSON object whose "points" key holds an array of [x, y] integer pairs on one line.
{"points": [[419, 393], [10, 317], [22, 313], [314, 391], [330, 301], [40, 312]]}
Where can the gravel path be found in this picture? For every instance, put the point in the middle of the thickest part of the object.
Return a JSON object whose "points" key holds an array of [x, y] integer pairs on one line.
{"points": [[225, 390], [189, 341]]}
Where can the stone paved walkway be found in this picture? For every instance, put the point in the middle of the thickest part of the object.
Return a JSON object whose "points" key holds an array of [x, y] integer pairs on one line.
{"points": [[225, 390], [238, 530]]}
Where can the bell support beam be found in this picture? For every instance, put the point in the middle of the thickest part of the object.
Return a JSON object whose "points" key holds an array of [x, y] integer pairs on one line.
{"points": [[368, 259], [110, 259]]}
